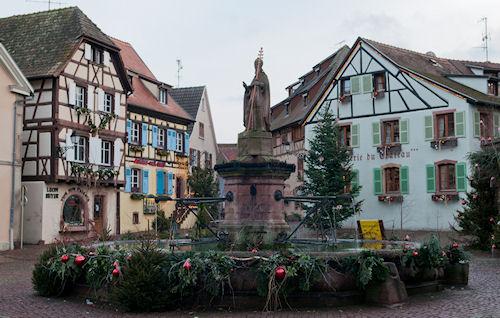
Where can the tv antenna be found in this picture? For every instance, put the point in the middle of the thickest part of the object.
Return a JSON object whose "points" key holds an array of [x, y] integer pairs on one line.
{"points": [[179, 68], [48, 2], [486, 37]]}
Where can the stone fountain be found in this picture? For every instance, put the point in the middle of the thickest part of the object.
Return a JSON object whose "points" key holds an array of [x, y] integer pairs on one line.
{"points": [[255, 176]]}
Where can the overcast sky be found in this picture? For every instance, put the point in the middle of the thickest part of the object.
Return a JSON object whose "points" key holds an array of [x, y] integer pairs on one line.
{"points": [[217, 40]]}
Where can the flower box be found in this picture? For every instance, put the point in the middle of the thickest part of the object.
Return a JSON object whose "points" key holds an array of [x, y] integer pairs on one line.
{"points": [[136, 196], [390, 198], [136, 148], [445, 197], [444, 143], [162, 152]]}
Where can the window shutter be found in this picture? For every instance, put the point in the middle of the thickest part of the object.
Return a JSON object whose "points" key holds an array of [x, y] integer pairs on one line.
{"points": [[376, 133], [88, 52], [118, 152], [128, 181], [145, 133], [354, 135], [367, 83], [459, 124], [403, 179], [70, 151], [171, 135], [71, 92], [154, 140], [170, 185], [186, 143], [129, 130], [431, 178], [355, 85], [355, 178], [461, 175], [477, 124], [429, 127], [100, 99], [160, 182], [403, 131], [145, 181], [107, 58], [90, 97], [118, 105], [377, 181], [496, 125], [95, 145]]}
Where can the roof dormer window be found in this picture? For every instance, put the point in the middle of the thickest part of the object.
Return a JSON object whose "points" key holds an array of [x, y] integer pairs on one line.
{"points": [[305, 99], [317, 68], [435, 63], [287, 108], [163, 96]]}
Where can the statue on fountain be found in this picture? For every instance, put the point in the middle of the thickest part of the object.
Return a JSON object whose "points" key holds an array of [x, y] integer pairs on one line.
{"points": [[255, 143]]}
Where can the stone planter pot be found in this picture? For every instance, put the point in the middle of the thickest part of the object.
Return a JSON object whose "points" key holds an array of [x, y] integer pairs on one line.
{"points": [[456, 274], [389, 292]]}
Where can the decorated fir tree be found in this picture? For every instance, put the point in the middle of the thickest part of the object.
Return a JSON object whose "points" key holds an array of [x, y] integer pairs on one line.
{"points": [[480, 209], [202, 184], [329, 173]]}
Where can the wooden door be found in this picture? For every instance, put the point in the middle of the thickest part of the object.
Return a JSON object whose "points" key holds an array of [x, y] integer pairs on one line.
{"points": [[179, 191], [99, 214]]}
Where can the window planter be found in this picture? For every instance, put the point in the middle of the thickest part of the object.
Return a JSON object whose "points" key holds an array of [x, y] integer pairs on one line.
{"points": [[136, 196], [136, 148], [390, 198], [488, 141], [391, 149], [444, 143], [445, 197], [162, 152]]}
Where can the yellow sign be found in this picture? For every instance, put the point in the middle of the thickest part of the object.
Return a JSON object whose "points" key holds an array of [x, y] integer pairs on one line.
{"points": [[371, 230]]}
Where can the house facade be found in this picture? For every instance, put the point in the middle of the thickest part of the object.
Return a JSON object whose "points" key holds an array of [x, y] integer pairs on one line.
{"points": [[14, 88], [157, 149], [73, 127], [410, 119], [287, 118], [203, 144]]}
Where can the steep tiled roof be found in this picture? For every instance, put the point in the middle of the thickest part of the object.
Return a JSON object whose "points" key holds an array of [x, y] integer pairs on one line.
{"points": [[132, 60], [189, 98], [311, 86], [143, 97], [227, 152], [438, 69], [42, 42]]}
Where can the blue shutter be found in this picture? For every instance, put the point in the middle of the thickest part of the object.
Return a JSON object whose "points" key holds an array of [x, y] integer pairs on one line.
{"points": [[170, 183], [129, 130], [160, 182], [186, 144], [144, 134], [145, 181], [128, 176], [171, 139], [154, 141]]}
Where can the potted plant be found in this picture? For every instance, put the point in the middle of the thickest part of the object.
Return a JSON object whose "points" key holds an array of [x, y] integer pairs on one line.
{"points": [[423, 264], [456, 271]]}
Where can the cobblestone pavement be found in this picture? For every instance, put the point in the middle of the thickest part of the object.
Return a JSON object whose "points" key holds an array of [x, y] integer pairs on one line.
{"points": [[479, 299]]}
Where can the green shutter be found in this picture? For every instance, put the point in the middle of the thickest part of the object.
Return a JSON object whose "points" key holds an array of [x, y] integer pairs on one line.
{"points": [[431, 178], [477, 124], [460, 124], [496, 125], [367, 83], [376, 133], [377, 181], [403, 131], [355, 135], [355, 178], [403, 179], [461, 176], [429, 128], [355, 85]]}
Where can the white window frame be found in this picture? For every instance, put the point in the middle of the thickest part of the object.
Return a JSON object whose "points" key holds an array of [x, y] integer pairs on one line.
{"points": [[97, 55], [163, 96], [135, 179], [80, 148], [161, 138], [106, 151], [135, 134], [179, 142], [108, 103], [80, 96]]}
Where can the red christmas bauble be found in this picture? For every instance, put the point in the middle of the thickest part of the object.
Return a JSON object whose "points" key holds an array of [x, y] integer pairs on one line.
{"points": [[187, 265], [280, 273], [415, 253], [254, 250], [79, 260], [454, 245], [116, 264], [116, 272], [65, 258]]}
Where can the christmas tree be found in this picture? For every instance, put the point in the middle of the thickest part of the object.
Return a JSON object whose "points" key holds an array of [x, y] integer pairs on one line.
{"points": [[328, 172]]}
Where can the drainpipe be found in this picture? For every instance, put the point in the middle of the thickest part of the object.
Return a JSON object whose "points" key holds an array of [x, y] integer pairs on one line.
{"points": [[13, 180]]}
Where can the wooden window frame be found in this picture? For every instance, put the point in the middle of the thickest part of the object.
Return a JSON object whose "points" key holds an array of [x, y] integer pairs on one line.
{"points": [[76, 146], [486, 127], [139, 132], [179, 141], [492, 83], [135, 218], [111, 152], [111, 101], [96, 52], [201, 130], [345, 130], [446, 114], [384, 84], [343, 92], [385, 185], [393, 132], [138, 188], [84, 95], [162, 96], [161, 138], [438, 165]]}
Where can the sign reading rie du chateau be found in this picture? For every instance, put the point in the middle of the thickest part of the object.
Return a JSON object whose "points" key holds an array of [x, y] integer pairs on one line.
{"points": [[383, 155]]}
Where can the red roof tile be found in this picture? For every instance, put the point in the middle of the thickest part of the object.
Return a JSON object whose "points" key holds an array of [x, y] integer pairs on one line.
{"points": [[132, 60], [227, 152]]}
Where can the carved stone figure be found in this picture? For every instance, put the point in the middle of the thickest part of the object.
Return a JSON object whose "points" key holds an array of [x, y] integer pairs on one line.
{"points": [[257, 100]]}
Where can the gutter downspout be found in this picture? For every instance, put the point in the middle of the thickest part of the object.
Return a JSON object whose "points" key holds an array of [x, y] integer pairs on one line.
{"points": [[13, 180]]}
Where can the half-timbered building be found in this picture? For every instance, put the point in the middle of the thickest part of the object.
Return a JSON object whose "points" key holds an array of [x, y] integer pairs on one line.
{"points": [[156, 155], [287, 119], [74, 126], [411, 119]]}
